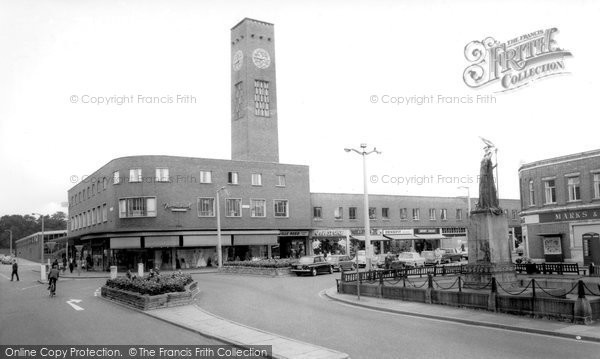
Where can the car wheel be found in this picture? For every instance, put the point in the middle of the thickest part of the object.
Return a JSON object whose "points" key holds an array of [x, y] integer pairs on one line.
{"points": [[297, 274], [331, 270], [313, 272]]}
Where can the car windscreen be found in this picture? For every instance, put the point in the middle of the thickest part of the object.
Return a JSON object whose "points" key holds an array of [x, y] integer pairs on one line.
{"points": [[406, 255]]}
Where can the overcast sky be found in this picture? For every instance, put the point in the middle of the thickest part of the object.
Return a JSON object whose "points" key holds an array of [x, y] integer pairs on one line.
{"points": [[332, 57]]}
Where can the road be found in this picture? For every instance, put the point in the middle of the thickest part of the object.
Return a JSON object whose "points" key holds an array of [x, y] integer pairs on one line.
{"points": [[29, 316], [292, 306]]}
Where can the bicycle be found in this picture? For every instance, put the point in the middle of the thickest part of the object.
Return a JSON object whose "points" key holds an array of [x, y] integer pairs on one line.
{"points": [[52, 288]]}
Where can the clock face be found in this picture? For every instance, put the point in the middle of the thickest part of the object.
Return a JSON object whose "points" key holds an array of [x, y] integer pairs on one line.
{"points": [[261, 58], [238, 57]]}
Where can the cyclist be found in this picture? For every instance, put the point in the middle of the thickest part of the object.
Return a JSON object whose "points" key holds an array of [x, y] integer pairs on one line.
{"points": [[53, 277]]}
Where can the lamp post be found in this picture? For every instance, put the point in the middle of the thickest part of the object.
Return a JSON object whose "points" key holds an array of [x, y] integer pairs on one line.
{"points": [[43, 268], [468, 199], [10, 232], [364, 153], [219, 240]]}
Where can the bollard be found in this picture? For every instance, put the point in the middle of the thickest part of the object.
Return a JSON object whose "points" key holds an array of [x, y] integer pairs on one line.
{"points": [[583, 310], [459, 284], [533, 288], [429, 289], [43, 272], [492, 302], [140, 270], [113, 272]]}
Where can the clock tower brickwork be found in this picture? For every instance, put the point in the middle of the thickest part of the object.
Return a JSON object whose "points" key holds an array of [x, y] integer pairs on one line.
{"points": [[254, 135]]}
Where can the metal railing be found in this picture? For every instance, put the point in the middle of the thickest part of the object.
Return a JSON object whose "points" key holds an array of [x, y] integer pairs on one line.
{"points": [[549, 268]]}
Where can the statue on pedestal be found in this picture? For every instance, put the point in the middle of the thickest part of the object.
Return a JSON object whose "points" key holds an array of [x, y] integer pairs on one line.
{"points": [[488, 196]]}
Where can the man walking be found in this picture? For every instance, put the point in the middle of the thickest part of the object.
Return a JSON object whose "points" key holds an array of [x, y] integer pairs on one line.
{"points": [[15, 270]]}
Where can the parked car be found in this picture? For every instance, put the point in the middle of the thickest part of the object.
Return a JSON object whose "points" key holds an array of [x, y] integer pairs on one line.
{"points": [[341, 262], [409, 259], [451, 255], [312, 265], [432, 257], [465, 254], [7, 260], [362, 258]]}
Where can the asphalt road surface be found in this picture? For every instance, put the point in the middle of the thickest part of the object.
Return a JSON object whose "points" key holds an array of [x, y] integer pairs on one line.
{"points": [[293, 307], [29, 316]]}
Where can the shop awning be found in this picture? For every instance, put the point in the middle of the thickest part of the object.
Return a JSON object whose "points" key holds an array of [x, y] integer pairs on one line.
{"points": [[405, 237], [430, 236], [254, 239], [206, 241], [161, 242], [373, 237], [125, 242]]}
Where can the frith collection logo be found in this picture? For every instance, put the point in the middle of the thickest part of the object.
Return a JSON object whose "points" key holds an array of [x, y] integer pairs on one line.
{"points": [[514, 63]]}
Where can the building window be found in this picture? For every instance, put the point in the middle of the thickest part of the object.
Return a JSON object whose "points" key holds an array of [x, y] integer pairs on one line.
{"points": [[206, 207], [205, 177], [238, 101], [403, 214], [104, 183], [459, 214], [261, 98], [258, 208], [574, 188], [416, 214], [531, 194], [596, 185], [514, 214], [372, 213], [162, 175], [352, 213], [135, 175], [318, 213], [84, 222], [281, 208], [432, 214], [444, 214], [550, 191], [137, 207], [385, 213], [233, 207], [232, 178], [98, 186], [116, 177], [93, 188], [89, 194], [280, 180], [338, 213], [89, 217], [104, 213], [94, 216], [257, 179]]}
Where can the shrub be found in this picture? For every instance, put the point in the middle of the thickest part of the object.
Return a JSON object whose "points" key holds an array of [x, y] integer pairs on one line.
{"points": [[263, 263], [159, 284]]}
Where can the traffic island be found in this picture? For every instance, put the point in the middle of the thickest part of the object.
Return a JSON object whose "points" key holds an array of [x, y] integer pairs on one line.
{"points": [[147, 293]]}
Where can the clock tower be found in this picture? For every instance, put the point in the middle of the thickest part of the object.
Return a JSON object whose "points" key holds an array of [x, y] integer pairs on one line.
{"points": [[253, 92]]}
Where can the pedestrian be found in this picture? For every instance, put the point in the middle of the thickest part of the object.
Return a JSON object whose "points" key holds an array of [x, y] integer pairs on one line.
{"points": [[15, 270], [64, 260], [71, 264]]}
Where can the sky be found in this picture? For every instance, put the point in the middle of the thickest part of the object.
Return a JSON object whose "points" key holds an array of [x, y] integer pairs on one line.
{"points": [[340, 64]]}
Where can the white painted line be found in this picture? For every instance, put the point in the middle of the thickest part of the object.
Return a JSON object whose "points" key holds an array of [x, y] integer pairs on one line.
{"points": [[71, 303], [4, 276], [97, 292], [33, 286]]}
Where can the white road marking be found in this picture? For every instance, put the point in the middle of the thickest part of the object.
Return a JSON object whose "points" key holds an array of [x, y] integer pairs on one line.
{"points": [[4, 276], [33, 286], [97, 292], [75, 306]]}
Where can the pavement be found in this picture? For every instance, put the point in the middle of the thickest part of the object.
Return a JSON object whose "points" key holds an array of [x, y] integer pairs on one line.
{"points": [[471, 316]]}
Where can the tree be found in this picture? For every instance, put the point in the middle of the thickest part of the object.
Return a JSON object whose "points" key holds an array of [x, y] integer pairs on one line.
{"points": [[24, 225]]}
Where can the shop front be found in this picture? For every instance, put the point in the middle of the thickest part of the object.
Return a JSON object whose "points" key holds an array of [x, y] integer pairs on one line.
{"points": [[428, 239], [379, 243], [292, 244], [250, 246], [334, 241], [401, 240]]}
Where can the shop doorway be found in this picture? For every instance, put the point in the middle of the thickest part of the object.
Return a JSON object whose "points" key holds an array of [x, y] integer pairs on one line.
{"points": [[591, 248]]}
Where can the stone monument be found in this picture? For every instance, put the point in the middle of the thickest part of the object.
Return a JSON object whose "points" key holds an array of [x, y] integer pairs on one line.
{"points": [[488, 241]]}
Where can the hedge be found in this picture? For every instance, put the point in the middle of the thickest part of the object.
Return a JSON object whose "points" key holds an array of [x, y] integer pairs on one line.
{"points": [[263, 263], [159, 284]]}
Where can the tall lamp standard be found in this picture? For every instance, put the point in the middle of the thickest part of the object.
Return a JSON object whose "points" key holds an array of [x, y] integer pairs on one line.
{"points": [[43, 268], [364, 153], [219, 240], [10, 232]]}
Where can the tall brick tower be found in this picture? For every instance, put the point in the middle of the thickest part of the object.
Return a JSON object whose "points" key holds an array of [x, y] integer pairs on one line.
{"points": [[253, 92]]}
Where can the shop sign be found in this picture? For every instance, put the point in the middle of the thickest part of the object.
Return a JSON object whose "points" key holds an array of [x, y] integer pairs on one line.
{"points": [[427, 231], [552, 246], [330, 232], [361, 231], [565, 216], [293, 233], [396, 232], [178, 207]]}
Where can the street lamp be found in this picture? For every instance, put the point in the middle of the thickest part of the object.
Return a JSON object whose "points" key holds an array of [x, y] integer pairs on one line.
{"points": [[43, 268], [10, 232], [468, 199], [219, 240], [363, 152]]}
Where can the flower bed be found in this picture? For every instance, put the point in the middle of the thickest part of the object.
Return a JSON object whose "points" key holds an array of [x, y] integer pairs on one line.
{"points": [[151, 292], [266, 267]]}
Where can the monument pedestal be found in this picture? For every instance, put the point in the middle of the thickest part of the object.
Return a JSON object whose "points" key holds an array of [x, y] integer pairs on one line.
{"points": [[489, 251]]}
